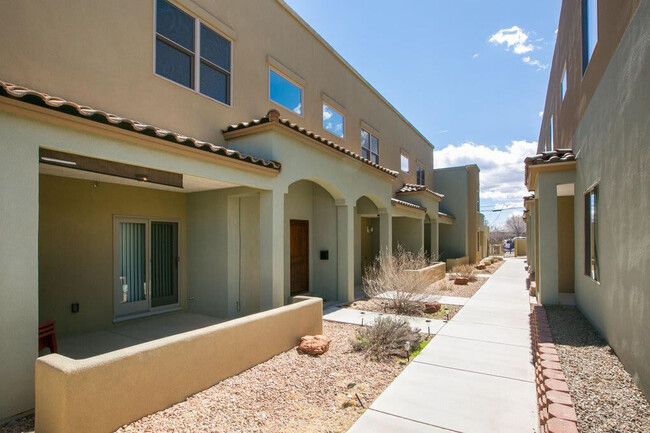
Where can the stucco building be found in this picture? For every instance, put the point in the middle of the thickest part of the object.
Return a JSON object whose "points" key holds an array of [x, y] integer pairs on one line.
{"points": [[587, 216], [211, 157]]}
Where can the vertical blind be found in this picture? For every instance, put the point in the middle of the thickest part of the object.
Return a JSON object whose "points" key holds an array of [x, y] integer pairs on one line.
{"points": [[133, 259], [163, 259]]}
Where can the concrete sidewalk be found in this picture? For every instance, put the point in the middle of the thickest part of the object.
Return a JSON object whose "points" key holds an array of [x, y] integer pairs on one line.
{"points": [[477, 373]]}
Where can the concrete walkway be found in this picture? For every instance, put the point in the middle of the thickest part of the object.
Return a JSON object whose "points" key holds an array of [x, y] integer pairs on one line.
{"points": [[476, 375]]}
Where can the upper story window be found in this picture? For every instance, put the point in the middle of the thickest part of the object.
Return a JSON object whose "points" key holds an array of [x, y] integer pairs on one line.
{"points": [[563, 86], [369, 146], [191, 54], [333, 121], [419, 175], [591, 234], [404, 163], [284, 92], [550, 135], [589, 30]]}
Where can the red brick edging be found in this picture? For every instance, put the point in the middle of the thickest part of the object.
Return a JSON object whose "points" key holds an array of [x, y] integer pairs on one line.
{"points": [[554, 405]]}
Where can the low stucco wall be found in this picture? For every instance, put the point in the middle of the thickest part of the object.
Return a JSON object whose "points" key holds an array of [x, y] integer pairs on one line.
{"points": [[452, 263], [102, 393], [520, 247], [433, 273]]}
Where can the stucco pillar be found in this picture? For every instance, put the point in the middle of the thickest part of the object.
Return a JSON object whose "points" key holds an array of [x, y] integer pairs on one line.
{"points": [[385, 232], [434, 237], [548, 267], [345, 238], [271, 250]]}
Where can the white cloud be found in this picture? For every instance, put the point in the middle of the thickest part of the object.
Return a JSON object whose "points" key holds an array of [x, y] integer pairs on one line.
{"points": [[475, 56], [527, 60], [541, 114], [502, 171], [514, 38], [327, 113]]}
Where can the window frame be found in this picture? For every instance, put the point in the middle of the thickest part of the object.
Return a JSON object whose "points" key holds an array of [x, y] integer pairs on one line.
{"points": [[291, 81], [587, 54], [369, 148], [196, 54], [405, 155], [420, 168], [591, 234], [326, 103]]}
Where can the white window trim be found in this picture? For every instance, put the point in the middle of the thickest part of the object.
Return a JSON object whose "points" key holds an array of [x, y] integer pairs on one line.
{"points": [[405, 154], [197, 54], [335, 109], [292, 81]]}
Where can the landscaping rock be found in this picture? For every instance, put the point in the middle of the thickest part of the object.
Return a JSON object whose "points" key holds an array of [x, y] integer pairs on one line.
{"points": [[314, 344], [462, 281], [432, 307], [479, 267]]}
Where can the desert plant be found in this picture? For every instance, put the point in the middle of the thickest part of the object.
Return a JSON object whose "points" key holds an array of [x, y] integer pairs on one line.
{"points": [[446, 284], [386, 338], [465, 271], [390, 277]]}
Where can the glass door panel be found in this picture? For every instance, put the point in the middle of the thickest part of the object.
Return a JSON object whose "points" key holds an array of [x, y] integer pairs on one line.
{"points": [[164, 263], [131, 281]]}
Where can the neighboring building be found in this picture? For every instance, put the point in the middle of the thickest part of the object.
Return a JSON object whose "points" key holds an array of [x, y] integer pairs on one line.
{"points": [[588, 218], [106, 218], [467, 236]]}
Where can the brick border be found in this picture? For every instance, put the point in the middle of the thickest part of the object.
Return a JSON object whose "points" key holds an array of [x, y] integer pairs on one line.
{"points": [[554, 404]]}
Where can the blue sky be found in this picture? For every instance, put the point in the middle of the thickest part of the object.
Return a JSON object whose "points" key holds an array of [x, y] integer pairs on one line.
{"points": [[471, 75]]}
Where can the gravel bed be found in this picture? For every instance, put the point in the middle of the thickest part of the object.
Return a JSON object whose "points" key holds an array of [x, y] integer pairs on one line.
{"points": [[288, 393], [381, 306], [23, 425], [606, 398], [462, 291]]}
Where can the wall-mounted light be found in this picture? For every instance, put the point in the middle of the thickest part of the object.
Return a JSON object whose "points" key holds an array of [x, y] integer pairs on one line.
{"points": [[141, 177], [58, 161], [370, 229]]}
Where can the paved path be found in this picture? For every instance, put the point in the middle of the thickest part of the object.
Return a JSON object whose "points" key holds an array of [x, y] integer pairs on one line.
{"points": [[449, 300], [359, 317], [476, 375]]}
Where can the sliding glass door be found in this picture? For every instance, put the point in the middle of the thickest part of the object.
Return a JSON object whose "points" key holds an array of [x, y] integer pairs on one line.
{"points": [[146, 265]]}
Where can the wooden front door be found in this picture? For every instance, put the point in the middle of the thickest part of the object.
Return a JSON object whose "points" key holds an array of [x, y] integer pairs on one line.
{"points": [[299, 256]]}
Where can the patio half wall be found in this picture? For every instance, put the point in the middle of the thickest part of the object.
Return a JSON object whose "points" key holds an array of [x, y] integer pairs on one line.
{"points": [[102, 393]]}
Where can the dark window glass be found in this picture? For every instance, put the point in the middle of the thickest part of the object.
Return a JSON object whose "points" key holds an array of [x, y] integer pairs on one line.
{"points": [[214, 48], [173, 64], [214, 83], [374, 144], [175, 24], [591, 234], [419, 174], [369, 146]]}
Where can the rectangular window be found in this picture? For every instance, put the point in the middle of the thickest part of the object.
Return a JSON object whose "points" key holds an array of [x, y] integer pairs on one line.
{"points": [[591, 234], [191, 54], [284, 92], [419, 175], [589, 30], [333, 121], [564, 83], [550, 134], [404, 163], [369, 146]]}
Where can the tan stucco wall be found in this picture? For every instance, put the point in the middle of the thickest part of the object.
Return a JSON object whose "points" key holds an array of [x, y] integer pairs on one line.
{"points": [[76, 246], [409, 233], [433, 273], [101, 393], [452, 263], [565, 243], [617, 120], [119, 76]]}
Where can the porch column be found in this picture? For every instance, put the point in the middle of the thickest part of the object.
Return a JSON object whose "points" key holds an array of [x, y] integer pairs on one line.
{"points": [[345, 252], [434, 237], [548, 267], [385, 231], [271, 250]]}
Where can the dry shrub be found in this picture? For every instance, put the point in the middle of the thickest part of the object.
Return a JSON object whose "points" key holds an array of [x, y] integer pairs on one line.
{"points": [[404, 291], [388, 337], [466, 271], [446, 284]]}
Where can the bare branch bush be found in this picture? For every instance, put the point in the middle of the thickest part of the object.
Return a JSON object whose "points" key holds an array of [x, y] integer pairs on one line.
{"points": [[391, 277], [388, 337], [465, 271]]}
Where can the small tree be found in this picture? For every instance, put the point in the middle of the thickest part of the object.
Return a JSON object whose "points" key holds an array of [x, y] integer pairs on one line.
{"points": [[389, 277], [516, 225]]}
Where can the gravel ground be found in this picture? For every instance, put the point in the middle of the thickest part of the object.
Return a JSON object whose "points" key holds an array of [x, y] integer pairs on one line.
{"points": [[466, 291], [381, 306], [24, 425], [288, 393], [604, 394]]}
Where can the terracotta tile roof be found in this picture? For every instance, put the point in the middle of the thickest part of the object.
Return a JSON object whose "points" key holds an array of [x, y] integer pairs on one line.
{"points": [[273, 116], [410, 188], [442, 214], [551, 157], [55, 103], [397, 202]]}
